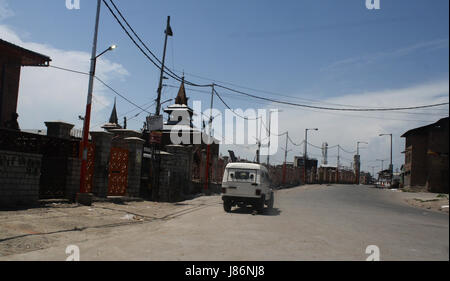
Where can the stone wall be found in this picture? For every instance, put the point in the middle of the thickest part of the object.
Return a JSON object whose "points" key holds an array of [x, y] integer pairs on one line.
{"points": [[175, 173], [19, 178], [135, 148], [102, 141]]}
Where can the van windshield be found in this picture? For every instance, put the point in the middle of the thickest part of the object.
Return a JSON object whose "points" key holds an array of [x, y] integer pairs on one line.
{"points": [[240, 175]]}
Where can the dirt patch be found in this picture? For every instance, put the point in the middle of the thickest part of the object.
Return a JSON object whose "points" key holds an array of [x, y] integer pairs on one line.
{"points": [[438, 203], [23, 231], [415, 189]]}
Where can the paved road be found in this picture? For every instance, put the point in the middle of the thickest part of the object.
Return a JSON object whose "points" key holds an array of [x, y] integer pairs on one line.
{"points": [[308, 223]]}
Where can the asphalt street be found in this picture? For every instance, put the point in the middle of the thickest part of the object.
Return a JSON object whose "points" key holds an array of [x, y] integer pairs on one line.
{"points": [[317, 222]]}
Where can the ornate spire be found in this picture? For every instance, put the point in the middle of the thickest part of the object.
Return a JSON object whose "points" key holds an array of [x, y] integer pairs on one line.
{"points": [[114, 119], [181, 97]]}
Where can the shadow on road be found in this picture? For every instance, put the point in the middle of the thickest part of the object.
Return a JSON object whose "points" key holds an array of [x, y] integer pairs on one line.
{"points": [[251, 211]]}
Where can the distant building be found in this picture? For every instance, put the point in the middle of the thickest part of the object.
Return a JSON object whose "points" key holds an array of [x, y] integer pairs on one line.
{"points": [[12, 58], [311, 168], [180, 120], [426, 157], [327, 173], [343, 175], [365, 178], [113, 123]]}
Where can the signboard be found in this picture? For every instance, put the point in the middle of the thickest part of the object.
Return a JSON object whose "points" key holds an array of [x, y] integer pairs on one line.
{"points": [[155, 123], [156, 137]]}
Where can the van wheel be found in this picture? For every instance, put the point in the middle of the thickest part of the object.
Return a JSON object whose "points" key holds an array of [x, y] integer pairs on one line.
{"points": [[260, 205], [227, 206], [271, 201]]}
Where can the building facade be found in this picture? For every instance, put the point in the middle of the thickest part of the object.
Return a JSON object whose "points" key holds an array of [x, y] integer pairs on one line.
{"points": [[426, 157], [12, 58]]}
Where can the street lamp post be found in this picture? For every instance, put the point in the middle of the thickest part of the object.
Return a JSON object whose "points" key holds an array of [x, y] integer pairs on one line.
{"points": [[391, 167], [270, 125], [358, 165], [382, 163], [87, 117], [305, 155], [168, 32]]}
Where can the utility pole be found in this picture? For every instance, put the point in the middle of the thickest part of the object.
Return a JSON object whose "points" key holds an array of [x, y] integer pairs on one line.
{"points": [[168, 33], [208, 149], [382, 163], [373, 171], [268, 148], [285, 158], [87, 117], [391, 166], [338, 164], [258, 153], [305, 155], [358, 158]]}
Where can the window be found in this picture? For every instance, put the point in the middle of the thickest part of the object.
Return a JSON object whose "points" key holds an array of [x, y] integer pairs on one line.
{"points": [[242, 175]]}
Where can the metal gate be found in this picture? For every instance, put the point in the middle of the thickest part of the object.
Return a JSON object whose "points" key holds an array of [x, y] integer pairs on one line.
{"points": [[118, 172], [90, 167], [54, 166]]}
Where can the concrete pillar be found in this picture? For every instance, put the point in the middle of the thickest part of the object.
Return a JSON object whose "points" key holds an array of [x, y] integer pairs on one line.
{"points": [[73, 178], [59, 129], [102, 142], [135, 148]]}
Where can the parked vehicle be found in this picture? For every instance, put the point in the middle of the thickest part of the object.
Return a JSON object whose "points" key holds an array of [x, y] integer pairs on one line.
{"points": [[246, 184]]}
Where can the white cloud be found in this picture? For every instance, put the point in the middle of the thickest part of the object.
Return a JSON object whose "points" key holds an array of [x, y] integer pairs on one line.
{"points": [[5, 11], [48, 94], [346, 128]]}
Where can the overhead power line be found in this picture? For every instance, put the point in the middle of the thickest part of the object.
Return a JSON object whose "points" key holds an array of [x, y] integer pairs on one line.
{"points": [[234, 112], [295, 144], [105, 84], [178, 78], [159, 66], [329, 108]]}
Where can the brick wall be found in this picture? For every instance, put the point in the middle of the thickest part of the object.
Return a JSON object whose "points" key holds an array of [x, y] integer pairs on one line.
{"points": [[294, 175], [19, 178]]}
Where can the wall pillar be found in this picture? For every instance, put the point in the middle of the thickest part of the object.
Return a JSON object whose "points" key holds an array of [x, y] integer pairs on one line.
{"points": [[102, 142], [59, 129], [135, 148]]}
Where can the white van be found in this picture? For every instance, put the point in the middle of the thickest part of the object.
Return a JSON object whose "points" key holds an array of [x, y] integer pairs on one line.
{"points": [[246, 184]]}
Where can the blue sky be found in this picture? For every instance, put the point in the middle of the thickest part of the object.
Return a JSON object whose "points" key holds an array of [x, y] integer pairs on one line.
{"points": [[324, 50]]}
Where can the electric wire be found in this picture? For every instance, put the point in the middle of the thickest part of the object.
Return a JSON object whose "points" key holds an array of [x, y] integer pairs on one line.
{"points": [[330, 108], [166, 70]]}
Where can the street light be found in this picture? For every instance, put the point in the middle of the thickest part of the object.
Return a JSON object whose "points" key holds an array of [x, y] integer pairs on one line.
{"points": [[168, 32], [270, 125], [305, 156], [391, 167], [358, 164], [111, 48], [382, 163], [357, 146], [87, 117]]}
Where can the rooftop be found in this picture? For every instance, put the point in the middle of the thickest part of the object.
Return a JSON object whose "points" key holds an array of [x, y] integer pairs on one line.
{"points": [[25, 56], [423, 129]]}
